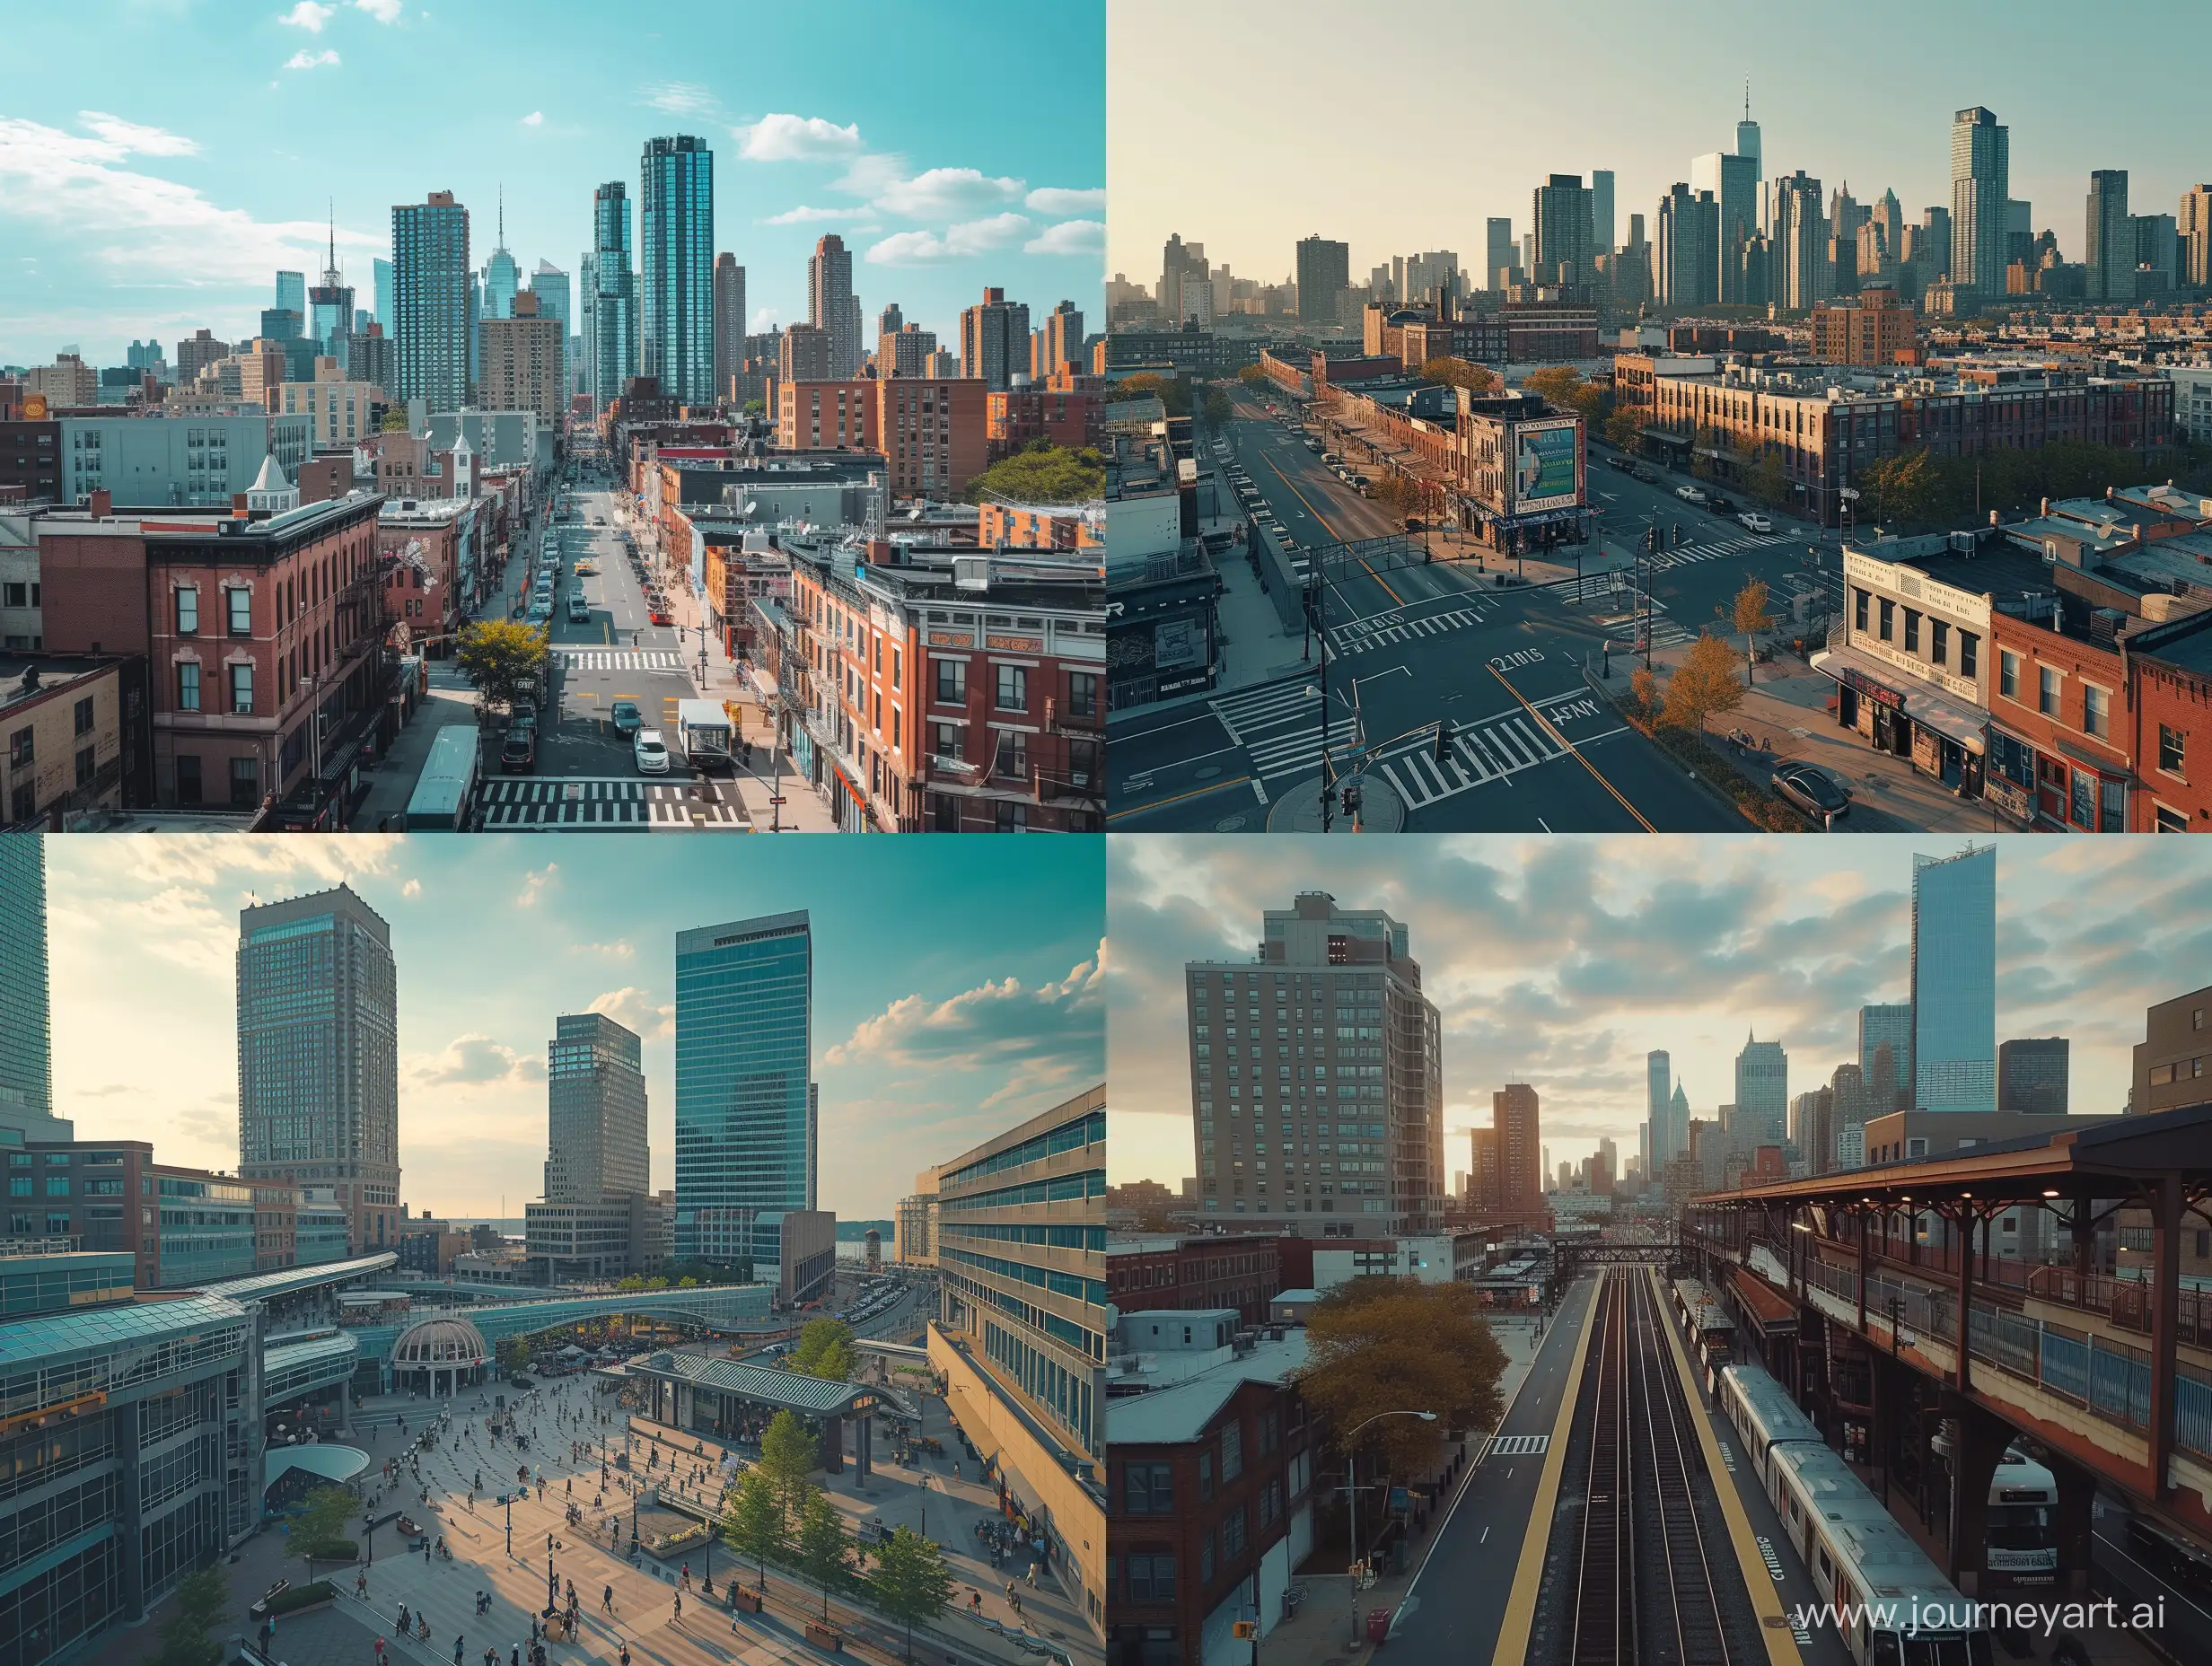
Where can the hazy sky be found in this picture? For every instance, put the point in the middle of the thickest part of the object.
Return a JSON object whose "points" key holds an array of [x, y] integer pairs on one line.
{"points": [[1562, 961], [1399, 128], [935, 1023], [159, 160]]}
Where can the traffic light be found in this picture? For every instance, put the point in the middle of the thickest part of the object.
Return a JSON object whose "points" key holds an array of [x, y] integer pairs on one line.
{"points": [[1678, 534], [1444, 739], [1349, 799]]}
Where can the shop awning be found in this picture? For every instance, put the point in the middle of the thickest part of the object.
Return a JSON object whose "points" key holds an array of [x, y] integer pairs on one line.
{"points": [[1946, 713]]}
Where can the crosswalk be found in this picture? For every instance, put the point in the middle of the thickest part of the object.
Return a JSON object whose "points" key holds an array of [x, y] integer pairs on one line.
{"points": [[606, 804], [1280, 725], [1493, 750], [588, 659], [1518, 1445], [1363, 635], [1689, 554]]}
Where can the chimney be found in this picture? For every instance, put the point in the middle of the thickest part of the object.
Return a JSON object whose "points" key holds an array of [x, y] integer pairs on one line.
{"points": [[882, 553], [102, 504], [238, 505], [2045, 510]]}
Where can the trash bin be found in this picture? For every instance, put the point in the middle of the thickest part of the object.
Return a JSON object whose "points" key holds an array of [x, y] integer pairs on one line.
{"points": [[1378, 1624]]}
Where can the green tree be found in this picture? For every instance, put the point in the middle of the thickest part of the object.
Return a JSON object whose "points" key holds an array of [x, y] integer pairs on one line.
{"points": [[504, 658], [825, 1350], [1906, 486], [1377, 1345], [1214, 408], [202, 1600], [1458, 373], [1765, 480], [825, 1548], [1396, 494], [1749, 614], [395, 419], [1564, 386], [1623, 426], [1705, 682], [513, 1355], [911, 1581], [1041, 472], [789, 1454], [320, 1529], [754, 1525], [1702, 464], [1172, 391]]}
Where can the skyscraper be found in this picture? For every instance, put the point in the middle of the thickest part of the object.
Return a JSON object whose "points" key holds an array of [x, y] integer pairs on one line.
{"points": [[1349, 1142], [318, 1056], [994, 340], [431, 323], [1889, 1082], [1762, 1096], [1516, 1115], [26, 1026], [292, 293], [1980, 187], [1678, 1121], [2031, 1075], [1602, 211], [676, 261], [1954, 981], [595, 1111], [380, 273], [503, 274], [1802, 273], [1324, 273], [612, 339], [1748, 141], [1658, 1083], [1559, 209], [1062, 341], [729, 322], [1733, 179], [2109, 249], [549, 284], [1500, 252], [745, 1145], [330, 306], [2194, 225], [832, 305], [1687, 272]]}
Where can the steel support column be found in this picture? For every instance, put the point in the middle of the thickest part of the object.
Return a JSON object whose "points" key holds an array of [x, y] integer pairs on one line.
{"points": [[2165, 1326]]}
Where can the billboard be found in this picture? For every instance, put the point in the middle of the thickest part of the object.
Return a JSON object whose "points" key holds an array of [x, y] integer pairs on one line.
{"points": [[1547, 466]]}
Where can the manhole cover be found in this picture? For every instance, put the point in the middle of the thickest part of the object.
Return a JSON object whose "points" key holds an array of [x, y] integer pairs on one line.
{"points": [[1775, 1622], [1229, 824], [1209, 772]]}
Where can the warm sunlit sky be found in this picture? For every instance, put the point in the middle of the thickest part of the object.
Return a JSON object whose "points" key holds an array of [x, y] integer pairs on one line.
{"points": [[957, 986], [1562, 961], [1399, 128]]}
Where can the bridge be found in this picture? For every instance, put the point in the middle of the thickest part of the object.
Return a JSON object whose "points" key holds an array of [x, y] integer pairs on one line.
{"points": [[1852, 1286]]}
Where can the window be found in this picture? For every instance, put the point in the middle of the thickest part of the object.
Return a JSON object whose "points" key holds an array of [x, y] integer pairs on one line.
{"points": [[1232, 1452], [242, 687], [187, 780], [1969, 654], [1889, 615], [2046, 691], [2096, 710], [2165, 820], [1082, 694], [245, 783], [2083, 806], [2008, 673], [85, 716], [2173, 750], [1152, 1579], [1206, 1561], [1013, 816], [188, 610], [1013, 755], [1912, 630], [240, 601], [1232, 1532], [952, 682], [1939, 641], [87, 766], [1206, 1476], [1148, 1489], [1013, 688], [19, 751], [1859, 600], [945, 742]]}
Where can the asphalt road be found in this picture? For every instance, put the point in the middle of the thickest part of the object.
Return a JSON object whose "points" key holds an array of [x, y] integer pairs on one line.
{"points": [[1426, 633]]}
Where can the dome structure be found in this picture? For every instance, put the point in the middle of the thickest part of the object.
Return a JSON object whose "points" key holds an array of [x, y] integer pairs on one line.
{"points": [[440, 1354]]}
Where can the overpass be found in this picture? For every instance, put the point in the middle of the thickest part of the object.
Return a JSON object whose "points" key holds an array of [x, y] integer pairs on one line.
{"points": [[1852, 1286]]}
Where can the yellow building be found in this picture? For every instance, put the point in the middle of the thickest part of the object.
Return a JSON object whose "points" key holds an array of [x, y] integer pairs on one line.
{"points": [[341, 411]]}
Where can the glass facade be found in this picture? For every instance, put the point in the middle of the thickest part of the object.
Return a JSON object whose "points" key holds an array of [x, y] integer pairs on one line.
{"points": [[596, 1097], [1954, 981], [26, 1062], [745, 1108], [676, 246], [1889, 1022], [432, 300]]}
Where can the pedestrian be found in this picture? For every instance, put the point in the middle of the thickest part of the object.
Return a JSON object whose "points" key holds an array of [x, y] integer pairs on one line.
{"points": [[380, 1652], [457, 1646], [361, 1583], [679, 1608]]}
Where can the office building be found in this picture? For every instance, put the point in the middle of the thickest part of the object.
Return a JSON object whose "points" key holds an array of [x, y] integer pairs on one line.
{"points": [[502, 279], [1732, 178], [1516, 1128], [1686, 272], [1559, 209], [1850, 1109], [1059, 344], [1324, 273], [1349, 1142], [2108, 249], [1801, 274], [676, 262], [26, 1022], [905, 353], [1020, 1341], [2173, 1063], [331, 307], [914, 1231], [1954, 981], [745, 1108], [520, 363], [802, 355], [610, 330], [380, 274], [729, 324], [433, 302], [549, 284], [1501, 253], [179, 463], [1601, 200], [2031, 1075], [341, 410], [1886, 1056], [1981, 188], [1761, 1109], [994, 340], [318, 1056], [2193, 225], [832, 305], [599, 1219], [292, 292]]}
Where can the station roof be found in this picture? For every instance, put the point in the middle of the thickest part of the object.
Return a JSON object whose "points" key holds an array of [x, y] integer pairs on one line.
{"points": [[122, 1324], [765, 1385], [290, 1280]]}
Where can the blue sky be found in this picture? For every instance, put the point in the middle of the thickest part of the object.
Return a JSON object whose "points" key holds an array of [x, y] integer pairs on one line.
{"points": [[1386, 147], [172, 154], [1561, 963], [958, 987]]}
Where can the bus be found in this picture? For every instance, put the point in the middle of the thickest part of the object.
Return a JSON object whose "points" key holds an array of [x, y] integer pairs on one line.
{"points": [[445, 791]]}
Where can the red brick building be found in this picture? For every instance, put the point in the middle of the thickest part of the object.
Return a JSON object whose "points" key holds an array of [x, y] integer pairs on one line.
{"points": [[2173, 712], [1071, 418], [1242, 1271], [2061, 695], [933, 433], [30, 457]]}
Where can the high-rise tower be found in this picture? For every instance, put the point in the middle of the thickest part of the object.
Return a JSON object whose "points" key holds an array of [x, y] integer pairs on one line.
{"points": [[26, 1027], [832, 305], [1954, 981], [676, 262], [1980, 187], [610, 328], [432, 300]]}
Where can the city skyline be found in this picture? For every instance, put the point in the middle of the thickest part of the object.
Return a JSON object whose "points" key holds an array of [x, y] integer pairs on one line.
{"points": [[176, 211], [1645, 115], [493, 939], [1531, 950]]}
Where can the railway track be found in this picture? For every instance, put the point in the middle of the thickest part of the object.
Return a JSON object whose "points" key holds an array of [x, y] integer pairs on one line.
{"points": [[1645, 1586]]}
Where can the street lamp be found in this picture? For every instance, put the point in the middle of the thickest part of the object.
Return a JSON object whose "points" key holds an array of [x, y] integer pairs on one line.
{"points": [[1351, 1452]]}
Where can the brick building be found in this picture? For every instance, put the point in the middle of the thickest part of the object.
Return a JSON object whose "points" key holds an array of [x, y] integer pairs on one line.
{"points": [[2172, 665], [1870, 328], [1243, 1271], [30, 457], [934, 434], [72, 736], [1072, 418]]}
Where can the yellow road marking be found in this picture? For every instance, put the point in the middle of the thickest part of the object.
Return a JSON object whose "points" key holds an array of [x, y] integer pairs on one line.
{"points": [[1331, 531], [1195, 792], [1512, 1636], [1572, 750], [1782, 1649]]}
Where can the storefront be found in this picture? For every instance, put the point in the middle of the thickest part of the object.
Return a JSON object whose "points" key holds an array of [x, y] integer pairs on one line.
{"points": [[1939, 734], [2057, 787]]}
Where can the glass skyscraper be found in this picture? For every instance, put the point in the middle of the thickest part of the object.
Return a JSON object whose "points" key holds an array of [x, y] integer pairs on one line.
{"points": [[1954, 981], [26, 1038], [1980, 187], [676, 250], [596, 1102], [746, 1111], [433, 321], [318, 1056], [1889, 1022], [610, 297], [1762, 1096]]}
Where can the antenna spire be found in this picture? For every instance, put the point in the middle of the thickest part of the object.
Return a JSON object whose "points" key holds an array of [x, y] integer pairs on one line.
{"points": [[333, 209], [502, 216], [1747, 98]]}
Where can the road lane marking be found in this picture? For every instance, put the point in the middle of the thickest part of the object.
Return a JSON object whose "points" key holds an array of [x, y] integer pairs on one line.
{"points": [[1512, 1636]]}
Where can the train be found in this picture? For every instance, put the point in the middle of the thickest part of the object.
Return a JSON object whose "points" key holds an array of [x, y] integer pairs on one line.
{"points": [[1710, 1332], [1901, 1609]]}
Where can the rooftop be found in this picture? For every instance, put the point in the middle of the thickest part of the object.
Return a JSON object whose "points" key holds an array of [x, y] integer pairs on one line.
{"points": [[1180, 1410], [27, 1341], [54, 671], [763, 1384], [285, 1281]]}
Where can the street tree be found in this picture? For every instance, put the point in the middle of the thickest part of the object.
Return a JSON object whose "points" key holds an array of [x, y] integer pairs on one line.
{"points": [[1905, 485], [1458, 373], [911, 1581], [825, 1350], [1705, 682], [1377, 1345], [1644, 687], [1766, 481], [318, 1531], [754, 1524], [825, 1546], [1623, 426], [202, 1600], [1751, 617], [789, 1454], [1214, 408], [503, 658], [1174, 391], [1041, 472], [1252, 373]]}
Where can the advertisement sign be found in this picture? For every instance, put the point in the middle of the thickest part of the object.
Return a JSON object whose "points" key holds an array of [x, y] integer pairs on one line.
{"points": [[34, 407], [1547, 465], [1177, 643]]}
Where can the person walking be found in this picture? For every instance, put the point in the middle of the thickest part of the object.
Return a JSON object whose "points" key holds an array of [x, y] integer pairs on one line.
{"points": [[457, 1650], [380, 1652]]}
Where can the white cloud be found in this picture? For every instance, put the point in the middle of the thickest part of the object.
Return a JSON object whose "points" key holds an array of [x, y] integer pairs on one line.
{"points": [[534, 884], [938, 192], [764, 319], [536, 119], [1069, 237], [969, 237], [870, 172], [681, 98], [472, 1060], [1053, 199], [413, 887], [796, 138], [307, 16], [311, 60], [383, 10], [804, 215], [128, 136], [637, 1011]]}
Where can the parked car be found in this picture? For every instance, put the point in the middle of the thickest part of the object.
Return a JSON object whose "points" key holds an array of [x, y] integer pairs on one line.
{"points": [[1756, 521], [627, 719], [1813, 790], [651, 753], [518, 754], [659, 616], [1645, 473], [1622, 464], [1690, 493], [1720, 504]]}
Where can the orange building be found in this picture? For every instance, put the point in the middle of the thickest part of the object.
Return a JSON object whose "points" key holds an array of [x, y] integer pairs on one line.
{"points": [[933, 433], [1870, 328], [1021, 526], [1071, 418]]}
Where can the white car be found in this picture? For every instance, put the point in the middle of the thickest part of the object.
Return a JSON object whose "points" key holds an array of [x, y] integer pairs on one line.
{"points": [[651, 753], [1756, 521]]}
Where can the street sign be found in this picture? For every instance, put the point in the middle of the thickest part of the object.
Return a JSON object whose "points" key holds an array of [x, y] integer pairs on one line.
{"points": [[778, 799]]}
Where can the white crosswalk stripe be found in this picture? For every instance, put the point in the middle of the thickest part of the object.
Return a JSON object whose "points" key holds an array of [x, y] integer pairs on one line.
{"points": [[603, 805], [1518, 1445], [1488, 751], [619, 659], [1366, 634], [1691, 553], [1281, 726]]}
